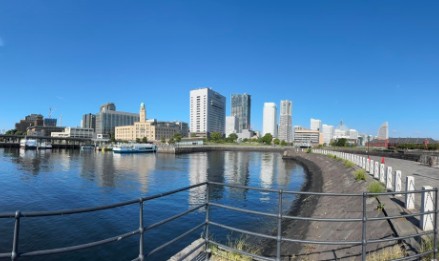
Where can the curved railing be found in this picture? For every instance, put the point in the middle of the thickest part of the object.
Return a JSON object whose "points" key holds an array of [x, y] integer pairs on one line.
{"points": [[208, 238]]}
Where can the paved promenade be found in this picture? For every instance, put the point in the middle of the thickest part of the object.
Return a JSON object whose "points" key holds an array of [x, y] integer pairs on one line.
{"points": [[333, 177], [424, 175]]}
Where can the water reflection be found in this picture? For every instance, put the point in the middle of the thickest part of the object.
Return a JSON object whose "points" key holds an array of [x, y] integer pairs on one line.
{"points": [[30, 161]]}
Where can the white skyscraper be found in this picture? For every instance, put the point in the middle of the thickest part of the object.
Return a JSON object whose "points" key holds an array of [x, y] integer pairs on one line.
{"points": [[269, 121], [207, 111], [383, 132], [285, 121], [328, 133], [232, 125], [316, 124]]}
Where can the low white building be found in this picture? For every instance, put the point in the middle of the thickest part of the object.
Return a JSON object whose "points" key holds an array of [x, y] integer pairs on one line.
{"points": [[71, 132]]}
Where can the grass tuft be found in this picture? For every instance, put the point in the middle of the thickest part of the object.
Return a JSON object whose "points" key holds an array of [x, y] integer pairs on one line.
{"points": [[360, 174], [376, 187], [390, 253]]}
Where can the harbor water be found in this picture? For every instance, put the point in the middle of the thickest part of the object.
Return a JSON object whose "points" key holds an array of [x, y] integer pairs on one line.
{"points": [[47, 180]]}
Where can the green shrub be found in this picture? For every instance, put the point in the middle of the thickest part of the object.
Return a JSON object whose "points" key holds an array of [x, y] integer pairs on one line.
{"points": [[348, 164], [360, 174], [309, 150], [376, 187]]}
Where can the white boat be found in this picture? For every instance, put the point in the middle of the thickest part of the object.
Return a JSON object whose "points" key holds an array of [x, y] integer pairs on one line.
{"points": [[28, 143], [44, 145], [134, 148]]}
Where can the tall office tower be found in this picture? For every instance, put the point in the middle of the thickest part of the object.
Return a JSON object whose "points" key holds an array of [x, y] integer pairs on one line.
{"points": [[269, 121], [286, 121], [316, 124], [108, 119], [241, 108], [231, 125], [383, 132], [89, 121], [207, 111], [328, 133]]}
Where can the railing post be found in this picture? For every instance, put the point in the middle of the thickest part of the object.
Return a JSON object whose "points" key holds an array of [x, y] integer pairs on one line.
{"points": [[363, 233], [141, 230], [206, 229], [435, 225], [279, 226], [14, 255]]}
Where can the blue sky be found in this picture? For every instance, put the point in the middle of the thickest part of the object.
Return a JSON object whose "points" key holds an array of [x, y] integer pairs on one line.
{"points": [[363, 62]]}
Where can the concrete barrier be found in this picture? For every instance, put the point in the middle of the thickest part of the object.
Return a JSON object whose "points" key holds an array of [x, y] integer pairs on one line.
{"points": [[372, 167], [410, 197], [389, 178], [426, 221], [376, 172], [382, 173], [398, 182]]}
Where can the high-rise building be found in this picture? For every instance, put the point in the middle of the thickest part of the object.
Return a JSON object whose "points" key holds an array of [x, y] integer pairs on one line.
{"points": [[207, 111], [286, 121], [152, 129], [108, 119], [383, 132], [241, 108], [231, 125], [269, 122], [315, 124], [328, 133], [31, 120], [89, 121]]}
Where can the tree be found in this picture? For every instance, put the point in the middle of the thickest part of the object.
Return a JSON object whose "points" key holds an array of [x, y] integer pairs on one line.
{"points": [[163, 140], [341, 142], [216, 136], [177, 137], [233, 137], [267, 138], [144, 140], [283, 143], [276, 141], [171, 141]]}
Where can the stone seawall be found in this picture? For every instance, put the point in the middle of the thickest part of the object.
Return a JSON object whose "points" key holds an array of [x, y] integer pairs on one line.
{"points": [[207, 148]]}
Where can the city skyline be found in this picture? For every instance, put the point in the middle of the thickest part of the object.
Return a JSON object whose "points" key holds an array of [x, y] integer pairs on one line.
{"points": [[363, 63]]}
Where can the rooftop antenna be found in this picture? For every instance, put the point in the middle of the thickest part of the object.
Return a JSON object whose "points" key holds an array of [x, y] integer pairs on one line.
{"points": [[50, 113]]}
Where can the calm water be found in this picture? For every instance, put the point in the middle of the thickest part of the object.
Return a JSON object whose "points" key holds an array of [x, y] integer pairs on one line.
{"points": [[62, 179]]}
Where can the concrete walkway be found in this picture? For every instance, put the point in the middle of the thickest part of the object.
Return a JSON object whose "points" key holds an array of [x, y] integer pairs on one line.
{"points": [[424, 175], [338, 179]]}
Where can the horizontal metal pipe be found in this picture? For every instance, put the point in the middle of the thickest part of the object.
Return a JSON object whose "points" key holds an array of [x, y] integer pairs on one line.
{"points": [[325, 219], [79, 247], [243, 210], [183, 257], [155, 250], [329, 243], [172, 218], [92, 209], [242, 231], [400, 216], [399, 238], [414, 257]]}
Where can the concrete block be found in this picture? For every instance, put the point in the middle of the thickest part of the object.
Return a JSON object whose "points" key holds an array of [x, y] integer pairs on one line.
{"points": [[368, 165], [371, 167], [389, 178], [410, 197], [382, 173], [427, 200], [398, 183], [376, 171]]}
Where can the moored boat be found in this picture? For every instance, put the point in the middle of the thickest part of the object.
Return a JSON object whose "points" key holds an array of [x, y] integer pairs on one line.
{"points": [[44, 145], [28, 143], [135, 148]]}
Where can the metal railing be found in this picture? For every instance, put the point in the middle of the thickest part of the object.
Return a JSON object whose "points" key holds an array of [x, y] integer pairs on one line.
{"points": [[15, 254]]}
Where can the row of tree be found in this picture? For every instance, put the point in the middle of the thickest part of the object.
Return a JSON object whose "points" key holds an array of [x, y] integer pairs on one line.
{"points": [[267, 139]]}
